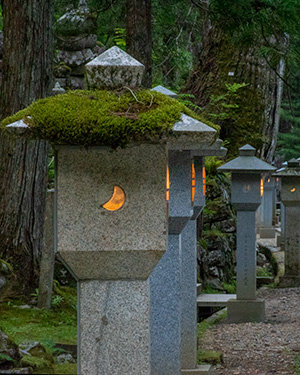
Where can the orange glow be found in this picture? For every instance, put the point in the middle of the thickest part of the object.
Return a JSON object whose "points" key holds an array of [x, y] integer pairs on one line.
{"points": [[168, 185], [204, 180], [193, 182], [293, 190], [261, 187], [116, 201]]}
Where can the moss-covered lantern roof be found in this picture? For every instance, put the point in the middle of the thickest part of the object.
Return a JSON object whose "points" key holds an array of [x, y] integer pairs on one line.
{"points": [[106, 118]]}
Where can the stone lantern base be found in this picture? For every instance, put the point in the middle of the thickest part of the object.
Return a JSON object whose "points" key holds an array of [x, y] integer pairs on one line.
{"points": [[289, 281], [267, 232], [246, 311]]}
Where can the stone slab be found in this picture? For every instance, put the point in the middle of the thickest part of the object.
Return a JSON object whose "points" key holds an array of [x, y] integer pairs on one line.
{"points": [[245, 311], [218, 300], [200, 370], [113, 329], [267, 232]]}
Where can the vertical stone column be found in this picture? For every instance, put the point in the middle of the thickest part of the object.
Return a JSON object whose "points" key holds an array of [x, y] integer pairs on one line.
{"points": [[267, 229], [165, 280], [290, 197], [189, 274], [246, 198]]}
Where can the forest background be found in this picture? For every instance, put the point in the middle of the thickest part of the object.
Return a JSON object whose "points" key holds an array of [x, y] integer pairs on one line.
{"points": [[237, 63]]}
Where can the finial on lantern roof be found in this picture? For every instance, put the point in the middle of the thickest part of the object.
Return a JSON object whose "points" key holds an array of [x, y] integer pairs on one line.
{"points": [[114, 69]]}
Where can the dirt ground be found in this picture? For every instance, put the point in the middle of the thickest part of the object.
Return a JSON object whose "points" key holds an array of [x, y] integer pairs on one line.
{"points": [[260, 348]]}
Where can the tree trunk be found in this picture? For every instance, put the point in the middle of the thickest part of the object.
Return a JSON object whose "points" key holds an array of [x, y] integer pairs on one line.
{"points": [[138, 35], [256, 119], [26, 76]]}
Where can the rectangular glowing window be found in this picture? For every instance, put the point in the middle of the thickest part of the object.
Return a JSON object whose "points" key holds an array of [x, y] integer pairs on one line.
{"points": [[261, 187], [193, 182], [168, 185], [204, 180]]}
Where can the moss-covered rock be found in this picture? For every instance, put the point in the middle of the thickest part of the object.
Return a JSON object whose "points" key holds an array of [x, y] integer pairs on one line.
{"points": [[90, 118], [210, 356]]}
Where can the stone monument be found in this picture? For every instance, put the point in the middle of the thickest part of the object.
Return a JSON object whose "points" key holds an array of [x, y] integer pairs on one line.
{"points": [[181, 298], [290, 197], [267, 228], [76, 35], [246, 197], [111, 231]]}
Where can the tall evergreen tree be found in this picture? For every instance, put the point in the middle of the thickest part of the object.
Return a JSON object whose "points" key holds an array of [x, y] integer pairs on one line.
{"points": [[26, 76]]}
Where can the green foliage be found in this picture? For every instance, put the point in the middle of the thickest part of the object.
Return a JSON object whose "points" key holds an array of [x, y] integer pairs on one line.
{"points": [[297, 364], [230, 287], [263, 272], [4, 358], [120, 38], [113, 119]]}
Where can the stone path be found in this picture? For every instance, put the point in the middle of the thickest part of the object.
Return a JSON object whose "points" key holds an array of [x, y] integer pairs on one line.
{"points": [[260, 348]]}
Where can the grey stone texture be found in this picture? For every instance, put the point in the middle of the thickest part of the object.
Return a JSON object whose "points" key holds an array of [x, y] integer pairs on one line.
{"points": [[166, 279], [180, 207], [189, 296], [245, 197], [94, 242], [114, 328], [267, 229], [290, 197], [165, 297], [246, 256], [76, 43], [114, 68], [243, 311], [165, 91], [189, 275]]}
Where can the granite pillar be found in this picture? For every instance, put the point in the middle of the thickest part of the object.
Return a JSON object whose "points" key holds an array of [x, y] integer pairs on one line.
{"points": [[114, 327], [189, 273], [246, 198], [165, 280], [290, 197], [267, 229]]}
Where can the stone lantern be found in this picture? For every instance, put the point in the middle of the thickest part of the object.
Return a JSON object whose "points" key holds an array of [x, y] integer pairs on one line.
{"points": [[246, 173], [173, 284], [290, 197], [111, 228]]}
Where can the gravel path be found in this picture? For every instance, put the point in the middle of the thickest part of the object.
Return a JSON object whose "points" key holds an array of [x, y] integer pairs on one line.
{"points": [[260, 348]]}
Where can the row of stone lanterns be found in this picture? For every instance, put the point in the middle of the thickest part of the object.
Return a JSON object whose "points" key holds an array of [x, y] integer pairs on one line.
{"points": [[136, 270]]}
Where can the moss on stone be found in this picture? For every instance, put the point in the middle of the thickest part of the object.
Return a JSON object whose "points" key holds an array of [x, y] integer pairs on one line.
{"points": [[88, 118], [36, 362], [211, 357]]}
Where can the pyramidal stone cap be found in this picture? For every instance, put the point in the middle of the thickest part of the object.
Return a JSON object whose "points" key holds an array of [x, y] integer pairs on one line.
{"points": [[247, 162], [165, 91], [292, 169], [114, 69]]}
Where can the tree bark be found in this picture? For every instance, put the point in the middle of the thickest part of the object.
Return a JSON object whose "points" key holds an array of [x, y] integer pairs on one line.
{"points": [[138, 35], [221, 62], [26, 76]]}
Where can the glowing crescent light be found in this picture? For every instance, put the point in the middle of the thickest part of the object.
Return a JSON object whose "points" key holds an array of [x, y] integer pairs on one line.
{"points": [[293, 190], [116, 201]]}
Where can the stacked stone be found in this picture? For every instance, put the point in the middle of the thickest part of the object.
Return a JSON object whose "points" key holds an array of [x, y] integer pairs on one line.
{"points": [[77, 45]]}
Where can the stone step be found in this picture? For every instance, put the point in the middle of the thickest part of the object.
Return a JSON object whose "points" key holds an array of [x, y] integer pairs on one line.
{"points": [[219, 300], [200, 370], [199, 288]]}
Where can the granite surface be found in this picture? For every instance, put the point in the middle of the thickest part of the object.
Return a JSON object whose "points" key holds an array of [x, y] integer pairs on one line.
{"points": [[113, 69], [85, 181], [165, 299], [113, 329]]}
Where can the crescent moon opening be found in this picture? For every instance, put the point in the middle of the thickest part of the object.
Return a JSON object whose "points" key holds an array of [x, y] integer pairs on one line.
{"points": [[116, 201]]}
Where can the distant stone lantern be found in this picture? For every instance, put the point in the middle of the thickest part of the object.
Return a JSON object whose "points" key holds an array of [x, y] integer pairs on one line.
{"points": [[290, 197], [246, 173]]}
